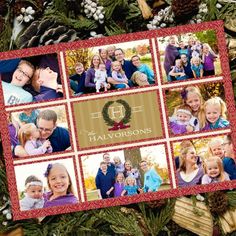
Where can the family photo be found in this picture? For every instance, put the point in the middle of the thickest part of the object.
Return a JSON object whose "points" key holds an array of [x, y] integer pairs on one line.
{"points": [[189, 56], [46, 184], [110, 67], [196, 108], [126, 172], [31, 79], [38, 131], [204, 161]]}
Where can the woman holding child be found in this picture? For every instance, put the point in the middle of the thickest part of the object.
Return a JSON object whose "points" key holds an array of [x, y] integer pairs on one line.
{"points": [[90, 83], [134, 172], [189, 173]]}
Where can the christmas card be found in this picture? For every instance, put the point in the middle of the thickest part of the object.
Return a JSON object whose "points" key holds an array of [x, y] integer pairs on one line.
{"points": [[117, 120]]}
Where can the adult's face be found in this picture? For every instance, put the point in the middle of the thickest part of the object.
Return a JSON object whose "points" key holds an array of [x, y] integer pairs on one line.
{"points": [[144, 166], [106, 158], [228, 148], [128, 165], [119, 55], [191, 157], [136, 61], [96, 61], [184, 59], [172, 41], [46, 127]]}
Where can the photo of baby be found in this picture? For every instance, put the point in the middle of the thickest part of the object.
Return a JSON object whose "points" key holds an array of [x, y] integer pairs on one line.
{"points": [[204, 161], [189, 56], [125, 172], [30, 79], [196, 108], [46, 184], [38, 131], [110, 67]]}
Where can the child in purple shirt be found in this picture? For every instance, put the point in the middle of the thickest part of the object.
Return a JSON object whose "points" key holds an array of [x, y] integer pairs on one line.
{"points": [[208, 59], [119, 184], [59, 182]]}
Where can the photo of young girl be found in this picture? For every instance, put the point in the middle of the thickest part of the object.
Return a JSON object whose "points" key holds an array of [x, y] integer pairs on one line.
{"points": [[189, 56], [196, 108], [214, 171], [52, 184], [46, 132], [204, 161], [120, 60], [143, 170], [30, 79]]}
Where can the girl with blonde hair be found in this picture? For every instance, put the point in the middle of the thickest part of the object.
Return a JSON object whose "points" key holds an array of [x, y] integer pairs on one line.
{"points": [[213, 115]]}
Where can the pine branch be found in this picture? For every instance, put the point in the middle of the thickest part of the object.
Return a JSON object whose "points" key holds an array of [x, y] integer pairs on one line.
{"points": [[114, 29], [120, 222], [156, 222], [231, 195]]}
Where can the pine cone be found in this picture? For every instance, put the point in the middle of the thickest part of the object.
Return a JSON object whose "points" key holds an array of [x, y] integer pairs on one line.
{"points": [[184, 9], [3, 7], [45, 32], [218, 202], [157, 203]]}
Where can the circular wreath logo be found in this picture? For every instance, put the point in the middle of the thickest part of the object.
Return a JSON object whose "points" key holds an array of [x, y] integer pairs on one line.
{"points": [[122, 123]]}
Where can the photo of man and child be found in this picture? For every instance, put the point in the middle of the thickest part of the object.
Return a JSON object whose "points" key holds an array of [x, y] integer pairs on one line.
{"points": [[116, 66], [189, 56], [30, 79], [125, 172], [46, 184], [38, 131], [196, 108], [204, 161]]}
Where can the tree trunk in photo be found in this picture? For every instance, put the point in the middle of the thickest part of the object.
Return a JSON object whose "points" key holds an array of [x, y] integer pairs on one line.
{"points": [[134, 155]]}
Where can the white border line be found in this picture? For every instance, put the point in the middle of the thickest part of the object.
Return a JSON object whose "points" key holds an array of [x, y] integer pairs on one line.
{"points": [[169, 155]]}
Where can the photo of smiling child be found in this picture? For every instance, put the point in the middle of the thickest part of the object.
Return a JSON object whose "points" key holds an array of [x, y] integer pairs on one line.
{"points": [[196, 108], [52, 184], [30, 79], [137, 171]]}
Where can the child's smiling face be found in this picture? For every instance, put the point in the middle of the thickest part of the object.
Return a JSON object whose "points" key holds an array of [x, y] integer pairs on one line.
{"points": [[193, 100], [212, 169], [35, 191], [58, 180], [120, 178], [183, 117], [212, 113], [22, 75], [79, 69], [130, 182], [217, 150]]}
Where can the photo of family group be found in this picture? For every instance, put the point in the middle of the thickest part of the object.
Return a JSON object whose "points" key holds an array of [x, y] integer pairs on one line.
{"points": [[204, 161], [38, 131], [126, 172], [46, 184], [196, 108], [31, 79], [110, 67], [189, 56]]}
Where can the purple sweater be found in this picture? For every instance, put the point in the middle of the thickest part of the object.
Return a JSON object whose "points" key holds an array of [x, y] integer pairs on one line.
{"points": [[209, 62], [193, 182], [171, 53], [118, 189], [89, 79], [63, 200]]}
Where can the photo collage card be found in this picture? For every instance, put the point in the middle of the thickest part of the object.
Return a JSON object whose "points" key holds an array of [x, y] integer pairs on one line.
{"points": [[117, 120]]}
